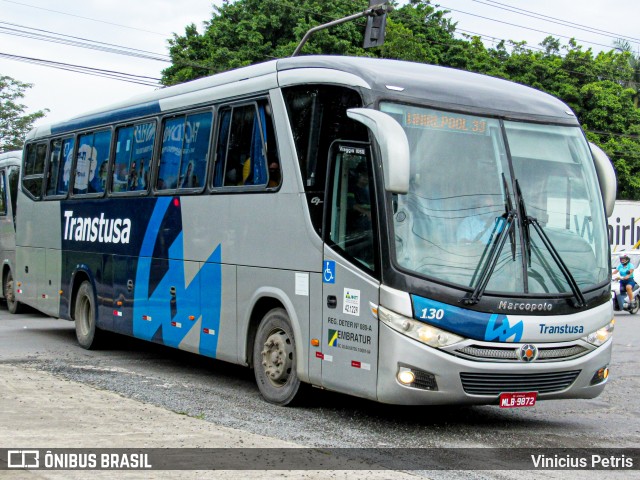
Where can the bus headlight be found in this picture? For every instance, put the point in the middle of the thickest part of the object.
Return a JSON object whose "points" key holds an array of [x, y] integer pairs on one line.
{"points": [[601, 335], [427, 334]]}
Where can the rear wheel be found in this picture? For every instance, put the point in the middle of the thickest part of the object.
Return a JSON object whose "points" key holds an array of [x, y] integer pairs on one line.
{"points": [[87, 333], [274, 359], [13, 305]]}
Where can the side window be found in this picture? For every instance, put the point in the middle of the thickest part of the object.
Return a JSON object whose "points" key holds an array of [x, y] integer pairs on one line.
{"points": [[351, 226], [13, 174], [33, 168], [246, 153], [91, 163], [134, 150], [53, 169], [3, 194], [318, 117], [66, 160], [185, 148], [59, 167]]}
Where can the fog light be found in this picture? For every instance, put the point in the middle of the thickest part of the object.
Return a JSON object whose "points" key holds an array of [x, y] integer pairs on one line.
{"points": [[600, 376], [406, 377]]}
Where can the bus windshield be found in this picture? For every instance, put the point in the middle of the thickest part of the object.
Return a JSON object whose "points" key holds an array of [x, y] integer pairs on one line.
{"points": [[469, 175]]}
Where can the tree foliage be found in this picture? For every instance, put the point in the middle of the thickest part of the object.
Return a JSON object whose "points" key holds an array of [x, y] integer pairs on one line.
{"points": [[14, 122], [602, 89]]}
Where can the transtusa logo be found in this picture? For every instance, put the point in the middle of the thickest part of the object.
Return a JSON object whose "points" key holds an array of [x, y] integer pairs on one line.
{"points": [[96, 229]]}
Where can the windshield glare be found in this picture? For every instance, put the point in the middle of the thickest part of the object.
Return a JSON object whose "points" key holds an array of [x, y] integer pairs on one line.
{"points": [[462, 188]]}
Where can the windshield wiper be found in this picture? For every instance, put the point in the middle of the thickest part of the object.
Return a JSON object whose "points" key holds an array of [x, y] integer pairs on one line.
{"points": [[575, 289], [526, 222], [497, 245]]}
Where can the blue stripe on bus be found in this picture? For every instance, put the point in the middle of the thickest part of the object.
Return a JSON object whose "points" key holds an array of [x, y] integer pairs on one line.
{"points": [[490, 327], [120, 115], [192, 312]]}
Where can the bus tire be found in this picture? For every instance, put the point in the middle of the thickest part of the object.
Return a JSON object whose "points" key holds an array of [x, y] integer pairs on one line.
{"points": [[13, 305], [87, 333], [274, 359]]}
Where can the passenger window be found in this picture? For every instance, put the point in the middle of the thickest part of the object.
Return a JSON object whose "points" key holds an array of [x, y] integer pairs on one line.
{"points": [[351, 223], [34, 169], [91, 163], [54, 167], [246, 153], [65, 166], [185, 148], [59, 167], [134, 150], [13, 175], [3, 194]]}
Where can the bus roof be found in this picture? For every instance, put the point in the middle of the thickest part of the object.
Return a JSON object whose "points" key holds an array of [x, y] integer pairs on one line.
{"points": [[393, 79], [12, 157]]}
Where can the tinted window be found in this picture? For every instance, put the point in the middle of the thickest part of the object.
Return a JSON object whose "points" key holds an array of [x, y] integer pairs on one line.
{"points": [[91, 163], [246, 151], [185, 146], [134, 150], [34, 169], [3, 194], [59, 166], [318, 116]]}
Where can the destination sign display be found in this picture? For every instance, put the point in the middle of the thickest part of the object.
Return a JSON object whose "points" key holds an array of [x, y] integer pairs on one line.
{"points": [[446, 121]]}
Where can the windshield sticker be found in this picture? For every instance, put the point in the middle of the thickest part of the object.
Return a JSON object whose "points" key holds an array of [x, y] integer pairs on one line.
{"points": [[351, 303]]}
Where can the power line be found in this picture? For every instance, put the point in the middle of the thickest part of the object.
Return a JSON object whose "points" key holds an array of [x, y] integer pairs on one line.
{"points": [[86, 18], [54, 37], [526, 28], [562, 22], [98, 72]]}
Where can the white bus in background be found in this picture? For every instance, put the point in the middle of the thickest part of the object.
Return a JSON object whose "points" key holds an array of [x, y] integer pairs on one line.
{"points": [[9, 178], [303, 217]]}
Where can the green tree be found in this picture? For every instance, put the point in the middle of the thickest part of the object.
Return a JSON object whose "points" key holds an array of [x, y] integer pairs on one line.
{"points": [[14, 122], [634, 65]]}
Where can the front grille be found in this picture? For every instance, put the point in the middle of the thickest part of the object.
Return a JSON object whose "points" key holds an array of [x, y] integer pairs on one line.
{"points": [[497, 383], [510, 354]]}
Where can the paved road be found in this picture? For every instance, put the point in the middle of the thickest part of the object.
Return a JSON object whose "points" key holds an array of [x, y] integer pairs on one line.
{"points": [[225, 395]]}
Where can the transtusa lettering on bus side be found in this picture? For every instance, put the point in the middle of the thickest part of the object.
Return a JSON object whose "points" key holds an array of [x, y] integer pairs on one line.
{"points": [[96, 229]]}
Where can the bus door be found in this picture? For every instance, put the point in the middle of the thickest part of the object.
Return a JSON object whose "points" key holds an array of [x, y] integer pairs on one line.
{"points": [[349, 350]]}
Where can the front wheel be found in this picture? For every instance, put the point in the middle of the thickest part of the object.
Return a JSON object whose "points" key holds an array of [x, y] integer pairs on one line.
{"points": [[87, 333], [13, 305], [274, 359], [634, 307]]}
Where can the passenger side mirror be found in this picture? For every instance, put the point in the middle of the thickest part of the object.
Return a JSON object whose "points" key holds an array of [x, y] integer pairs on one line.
{"points": [[606, 177], [394, 146]]}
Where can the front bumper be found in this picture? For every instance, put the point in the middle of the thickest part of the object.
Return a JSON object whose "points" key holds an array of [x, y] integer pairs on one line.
{"points": [[400, 351]]}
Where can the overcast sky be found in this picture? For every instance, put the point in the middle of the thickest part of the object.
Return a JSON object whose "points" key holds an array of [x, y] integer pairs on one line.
{"points": [[151, 22]]}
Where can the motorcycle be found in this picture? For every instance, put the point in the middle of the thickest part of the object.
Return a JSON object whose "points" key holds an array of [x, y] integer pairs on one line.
{"points": [[621, 301]]}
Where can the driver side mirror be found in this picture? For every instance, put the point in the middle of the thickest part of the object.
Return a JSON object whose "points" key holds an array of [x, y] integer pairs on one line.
{"points": [[394, 146]]}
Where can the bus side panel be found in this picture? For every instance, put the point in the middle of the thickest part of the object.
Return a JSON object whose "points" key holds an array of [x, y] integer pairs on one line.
{"points": [[49, 294], [220, 311], [31, 261], [291, 289]]}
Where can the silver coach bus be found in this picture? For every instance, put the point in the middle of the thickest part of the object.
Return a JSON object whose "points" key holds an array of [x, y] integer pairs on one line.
{"points": [[396, 231], [9, 174]]}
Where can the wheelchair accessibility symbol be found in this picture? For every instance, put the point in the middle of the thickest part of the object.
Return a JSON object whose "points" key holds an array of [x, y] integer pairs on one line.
{"points": [[329, 272]]}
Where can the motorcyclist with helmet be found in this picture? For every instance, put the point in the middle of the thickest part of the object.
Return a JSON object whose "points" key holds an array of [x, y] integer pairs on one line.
{"points": [[625, 271]]}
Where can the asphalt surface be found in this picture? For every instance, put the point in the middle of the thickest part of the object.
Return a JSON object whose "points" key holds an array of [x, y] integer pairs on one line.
{"points": [[163, 386]]}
